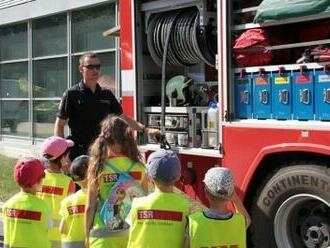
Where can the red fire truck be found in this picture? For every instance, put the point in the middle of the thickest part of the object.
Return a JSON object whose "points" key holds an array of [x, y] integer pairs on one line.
{"points": [[271, 128]]}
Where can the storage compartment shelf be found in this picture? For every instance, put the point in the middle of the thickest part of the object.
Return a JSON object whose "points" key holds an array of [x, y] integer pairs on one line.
{"points": [[277, 23], [176, 110], [160, 5], [284, 67], [184, 150], [285, 124]]}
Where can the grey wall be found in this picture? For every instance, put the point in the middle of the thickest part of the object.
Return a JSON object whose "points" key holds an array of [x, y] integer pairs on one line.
{"points": [[38, 8]]}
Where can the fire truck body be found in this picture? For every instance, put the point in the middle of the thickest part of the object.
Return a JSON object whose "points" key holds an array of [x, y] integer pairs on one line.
{"points": [[281, 167]]}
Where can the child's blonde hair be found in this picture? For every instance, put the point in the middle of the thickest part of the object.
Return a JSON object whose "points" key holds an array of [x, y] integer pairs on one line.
{"points": [[114, 131]]}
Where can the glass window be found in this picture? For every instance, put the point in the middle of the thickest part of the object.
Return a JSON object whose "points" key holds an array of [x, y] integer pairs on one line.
{"points": [[14, 80], [13, 42], [50, 77], [88, 26], [49, 36], [15, 118], [108, 70], [44, 114]]}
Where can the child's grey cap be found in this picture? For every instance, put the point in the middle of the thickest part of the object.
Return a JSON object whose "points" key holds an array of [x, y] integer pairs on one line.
{"points": [[79, 167], [219, 182], [164, 166]]}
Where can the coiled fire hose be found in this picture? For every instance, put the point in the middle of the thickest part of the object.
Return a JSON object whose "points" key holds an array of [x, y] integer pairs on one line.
{"points": [[177, 39]]}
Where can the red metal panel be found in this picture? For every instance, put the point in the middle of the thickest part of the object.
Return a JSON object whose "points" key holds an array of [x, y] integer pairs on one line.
{"points": [[128, 105], [200, 164], [125, 8], [244, 147]]}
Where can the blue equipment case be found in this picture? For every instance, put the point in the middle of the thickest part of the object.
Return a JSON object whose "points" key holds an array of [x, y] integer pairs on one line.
{"points": [[243, 96], [281, 96], [303, 95], [322, 95], [262, 96]]}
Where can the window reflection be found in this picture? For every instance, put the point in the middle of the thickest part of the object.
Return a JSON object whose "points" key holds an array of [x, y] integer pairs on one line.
{"points": [[15, 118], [44, 114], [14, 80], [13, 42], [50, 77], [49, 36], [88, 26]]}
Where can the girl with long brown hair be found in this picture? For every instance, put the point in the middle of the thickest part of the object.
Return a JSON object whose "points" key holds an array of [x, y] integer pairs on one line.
{"points": [[113, 155]]}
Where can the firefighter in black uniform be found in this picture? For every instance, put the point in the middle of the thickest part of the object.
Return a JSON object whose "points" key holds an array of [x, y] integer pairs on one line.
{"points": [[86, 104]]}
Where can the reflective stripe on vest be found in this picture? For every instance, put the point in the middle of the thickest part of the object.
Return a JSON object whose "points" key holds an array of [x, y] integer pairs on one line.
{"points": [[105, 232], [25, 216], [73, 212], [73, 244], [55, 188], [158, 220], [207, 232]]}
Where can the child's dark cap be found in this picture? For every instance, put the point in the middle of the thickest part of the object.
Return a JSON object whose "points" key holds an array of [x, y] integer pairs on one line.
{"points": [[164, 166], [79, 167]]}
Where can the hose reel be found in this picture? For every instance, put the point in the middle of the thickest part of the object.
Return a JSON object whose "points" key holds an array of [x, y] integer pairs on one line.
{"points": [[190, 42]]}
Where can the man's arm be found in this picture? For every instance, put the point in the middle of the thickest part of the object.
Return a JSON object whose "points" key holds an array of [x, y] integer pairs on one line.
{"points": [[137, 126], [59, 127]]}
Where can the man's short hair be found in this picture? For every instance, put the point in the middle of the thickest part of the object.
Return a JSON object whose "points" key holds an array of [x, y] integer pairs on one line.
{"points": [[87, 55]]}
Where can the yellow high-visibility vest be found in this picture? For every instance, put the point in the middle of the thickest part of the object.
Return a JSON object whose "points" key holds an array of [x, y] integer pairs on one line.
{"points": [[158, 220], [26, 221], [73, 213], [55, 187], [100, 235], [207, 232]]}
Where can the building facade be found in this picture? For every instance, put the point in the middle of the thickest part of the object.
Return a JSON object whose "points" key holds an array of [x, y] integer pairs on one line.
{"points": [[40, 44]]}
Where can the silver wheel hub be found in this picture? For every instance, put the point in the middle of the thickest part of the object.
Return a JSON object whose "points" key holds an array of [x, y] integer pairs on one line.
{"points": [[302, 221], [315, 232]]}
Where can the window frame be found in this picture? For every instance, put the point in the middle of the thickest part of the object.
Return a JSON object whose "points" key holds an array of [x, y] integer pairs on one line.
{"points": [[69, 55]]}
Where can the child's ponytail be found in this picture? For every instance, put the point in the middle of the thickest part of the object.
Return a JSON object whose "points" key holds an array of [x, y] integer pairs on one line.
{"points": [[114, 131], [97, 158]]}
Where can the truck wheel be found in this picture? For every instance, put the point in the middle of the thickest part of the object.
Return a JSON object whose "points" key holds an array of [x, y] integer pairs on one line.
{"points": [[292, 209]]}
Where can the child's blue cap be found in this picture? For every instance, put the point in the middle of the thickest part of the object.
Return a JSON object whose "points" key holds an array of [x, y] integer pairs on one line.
{"points": [[164, 166]]}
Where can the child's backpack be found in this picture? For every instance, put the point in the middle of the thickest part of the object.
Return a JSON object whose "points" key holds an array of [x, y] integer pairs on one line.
{"points": [[116, 207], [250, 48]]}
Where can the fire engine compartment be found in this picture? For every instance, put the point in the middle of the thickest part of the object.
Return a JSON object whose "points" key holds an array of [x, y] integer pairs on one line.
{"points": [[190, 70], [283, 84], [278, 93], [279, 98]]}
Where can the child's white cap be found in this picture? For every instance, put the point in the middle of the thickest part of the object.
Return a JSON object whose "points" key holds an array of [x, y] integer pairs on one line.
{"points": [[219, 182]]}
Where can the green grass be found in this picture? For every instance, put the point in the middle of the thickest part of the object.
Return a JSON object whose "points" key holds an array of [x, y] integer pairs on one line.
{"points": [[8, 186]]}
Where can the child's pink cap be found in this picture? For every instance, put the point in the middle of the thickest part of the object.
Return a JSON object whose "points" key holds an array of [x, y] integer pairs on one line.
{"points": [[55, 146], [28, 172]]}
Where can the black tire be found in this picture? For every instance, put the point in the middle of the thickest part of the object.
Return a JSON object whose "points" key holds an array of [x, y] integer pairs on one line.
{"points": [[292, 208]]}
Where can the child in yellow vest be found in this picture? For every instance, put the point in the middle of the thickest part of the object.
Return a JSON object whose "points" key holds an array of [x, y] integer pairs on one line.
{"points": [[73, 207], [113, 154], [26, 217], [56, 186], [218, 226], [159, 219]]}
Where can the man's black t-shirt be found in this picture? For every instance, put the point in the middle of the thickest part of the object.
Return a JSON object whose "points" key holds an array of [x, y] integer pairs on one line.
{"points": [[85, 111]]}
